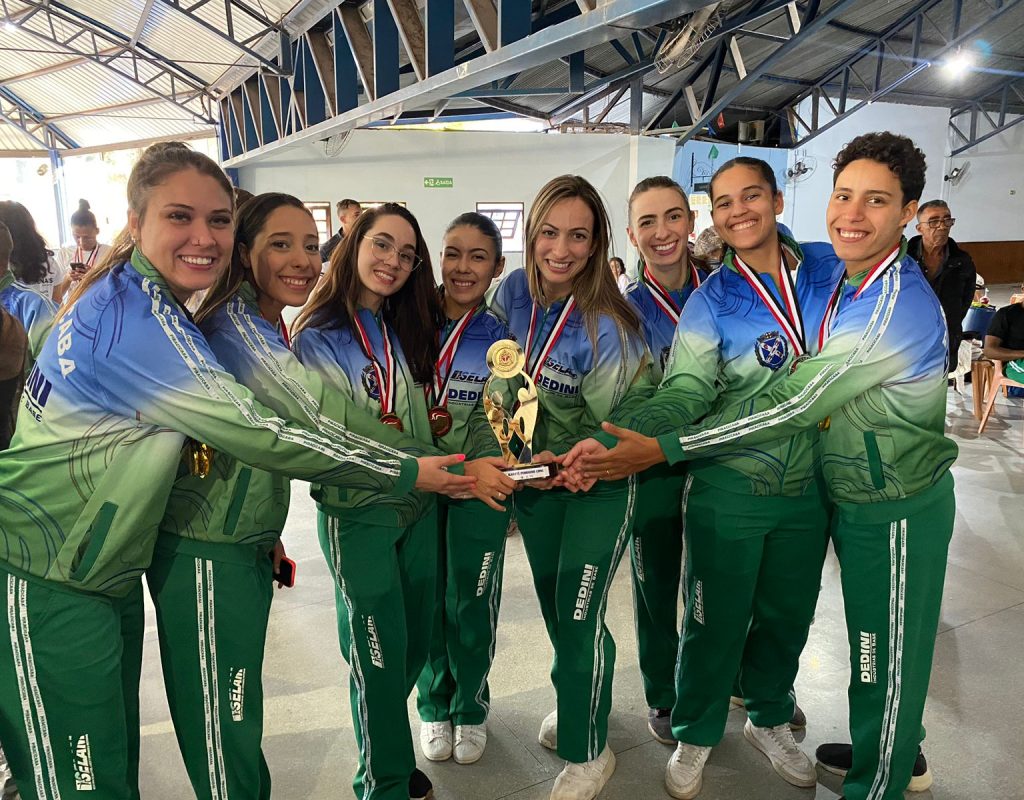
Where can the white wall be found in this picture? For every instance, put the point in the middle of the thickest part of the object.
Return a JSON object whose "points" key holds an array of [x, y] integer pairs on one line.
{"points": [[806, 200], [988, 201], [391, 165]]}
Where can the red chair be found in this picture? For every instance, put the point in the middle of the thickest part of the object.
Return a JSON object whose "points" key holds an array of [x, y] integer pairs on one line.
{"points": [[996, 382]]}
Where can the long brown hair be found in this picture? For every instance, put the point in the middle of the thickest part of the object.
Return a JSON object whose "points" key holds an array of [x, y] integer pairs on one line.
{"points": [[413, 312], [593, 288], [250, 217], [156, 164]]}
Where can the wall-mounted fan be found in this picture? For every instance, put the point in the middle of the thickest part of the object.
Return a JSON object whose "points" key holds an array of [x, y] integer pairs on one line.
{"points": [[802, 169], [957, 173], [334, 144]]}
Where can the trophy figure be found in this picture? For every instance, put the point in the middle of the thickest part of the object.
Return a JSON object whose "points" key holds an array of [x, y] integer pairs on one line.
{"points": [[513, 425]]}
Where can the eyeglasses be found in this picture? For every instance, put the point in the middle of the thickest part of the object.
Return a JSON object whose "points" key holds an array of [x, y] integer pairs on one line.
{"points": [[945, 222], [383, 250]]}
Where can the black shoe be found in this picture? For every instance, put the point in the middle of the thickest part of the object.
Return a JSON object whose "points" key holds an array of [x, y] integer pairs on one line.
{"points": [[659, 723], [420, 787], [837, 758], [798, 721]]}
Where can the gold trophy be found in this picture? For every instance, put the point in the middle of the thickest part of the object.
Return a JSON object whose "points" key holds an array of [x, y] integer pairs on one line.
{"points": [[514, 425]]}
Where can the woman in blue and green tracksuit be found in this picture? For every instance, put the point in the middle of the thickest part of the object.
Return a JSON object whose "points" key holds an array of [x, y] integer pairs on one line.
{"points": [[583, 350], [362, 332], [220, 531], [453, 696], [876, 391], [660, 222], [756, 522], [30, 308], [121, 384]]}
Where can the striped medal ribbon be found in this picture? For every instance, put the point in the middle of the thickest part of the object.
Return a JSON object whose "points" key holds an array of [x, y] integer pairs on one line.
{"points": [[535, 368], [662, 297], [787, 313], [873, 274], [385, 372]]}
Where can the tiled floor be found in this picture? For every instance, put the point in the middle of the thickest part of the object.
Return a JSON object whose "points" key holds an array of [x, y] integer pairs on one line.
{"points": [[973, 716]]}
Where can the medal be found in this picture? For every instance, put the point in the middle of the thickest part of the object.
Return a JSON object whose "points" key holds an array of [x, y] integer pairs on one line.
{"points": [[439, 416], [440, 421], [199, 458], [797, 362], [392, 421]]}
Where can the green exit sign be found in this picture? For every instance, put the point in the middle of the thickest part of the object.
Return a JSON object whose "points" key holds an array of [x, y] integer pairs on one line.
{"points": [[438, 183]]}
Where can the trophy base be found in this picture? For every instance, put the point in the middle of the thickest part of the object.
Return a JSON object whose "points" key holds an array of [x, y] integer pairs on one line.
{"points": [[532, 472]]}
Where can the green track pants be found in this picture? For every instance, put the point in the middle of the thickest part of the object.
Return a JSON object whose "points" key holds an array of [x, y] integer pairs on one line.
{"points": [[69, 690], [656, 555], [753, 571], [471, 555], [385, 590], [212, 605], [892, 557], [574, 543]]}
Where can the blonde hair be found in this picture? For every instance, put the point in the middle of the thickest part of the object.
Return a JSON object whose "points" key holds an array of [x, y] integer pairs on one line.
{"points": [[594, 288]]}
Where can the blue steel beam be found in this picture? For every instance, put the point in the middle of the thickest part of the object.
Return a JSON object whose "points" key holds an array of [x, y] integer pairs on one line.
{"points": [[439, 25], [958, 36], [385, 50], [719, 104], [977, 110], [53, 133]]}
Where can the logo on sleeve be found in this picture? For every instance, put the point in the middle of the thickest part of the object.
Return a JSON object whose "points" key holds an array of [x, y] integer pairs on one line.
{"points": [[771, 350], [37, 392]]}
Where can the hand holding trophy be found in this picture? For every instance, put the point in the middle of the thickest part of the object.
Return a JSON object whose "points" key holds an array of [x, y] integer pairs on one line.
{"points": [[514, 425]]}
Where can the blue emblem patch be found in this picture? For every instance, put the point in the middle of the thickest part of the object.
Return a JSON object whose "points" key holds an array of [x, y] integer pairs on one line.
{"points": [[771, 350], [369, 378]]}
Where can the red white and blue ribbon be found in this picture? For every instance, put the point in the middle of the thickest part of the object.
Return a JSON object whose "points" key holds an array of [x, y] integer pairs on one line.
{"points": [[446, 358], [386, 371], [662, 297], [537, 365], [873, 275], [787, 313]]}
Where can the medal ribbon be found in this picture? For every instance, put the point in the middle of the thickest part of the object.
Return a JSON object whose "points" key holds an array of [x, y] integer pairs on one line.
{"points": [[385, 372], [446, 359], [833, 304], [284, 334], [80, 256], [662, 297], [787, 314], [549, 343]]}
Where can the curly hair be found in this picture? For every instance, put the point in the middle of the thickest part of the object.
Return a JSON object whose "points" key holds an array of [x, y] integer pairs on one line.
{"points": [[898, 153]]}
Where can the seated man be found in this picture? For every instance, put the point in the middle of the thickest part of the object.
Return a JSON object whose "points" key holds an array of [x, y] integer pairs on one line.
{"points": [[1004, 340]]}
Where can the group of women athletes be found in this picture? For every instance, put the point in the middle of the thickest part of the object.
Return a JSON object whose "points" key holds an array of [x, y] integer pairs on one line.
{"points": [[172, 437]]}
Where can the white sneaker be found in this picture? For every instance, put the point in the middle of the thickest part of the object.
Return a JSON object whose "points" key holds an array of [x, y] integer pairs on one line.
{"points": [[436, 740], [584, 781], [788, 760], [548, 735], [684, 774], [470, 741]]}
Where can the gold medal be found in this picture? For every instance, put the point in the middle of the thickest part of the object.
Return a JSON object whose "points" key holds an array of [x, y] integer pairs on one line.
{"points": [[505, 359], [393, 421], [199, 458]]}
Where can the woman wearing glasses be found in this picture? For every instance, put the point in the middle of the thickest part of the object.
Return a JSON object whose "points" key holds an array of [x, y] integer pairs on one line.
{"points": [[949, 269], [364, 332]]}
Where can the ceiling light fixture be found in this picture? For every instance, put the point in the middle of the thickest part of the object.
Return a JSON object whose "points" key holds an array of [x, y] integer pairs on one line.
{"points": [[958, 64]]}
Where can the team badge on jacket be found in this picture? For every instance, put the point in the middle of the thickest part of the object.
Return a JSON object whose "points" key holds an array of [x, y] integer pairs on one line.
{"points": [[771, 350], [370, 383]]}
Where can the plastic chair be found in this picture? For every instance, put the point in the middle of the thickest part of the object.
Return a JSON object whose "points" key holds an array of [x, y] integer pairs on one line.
{"points": [[998, 381]]}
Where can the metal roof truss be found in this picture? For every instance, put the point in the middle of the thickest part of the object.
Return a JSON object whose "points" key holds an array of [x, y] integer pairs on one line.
{"points": [[341, 58], [988, 115]]}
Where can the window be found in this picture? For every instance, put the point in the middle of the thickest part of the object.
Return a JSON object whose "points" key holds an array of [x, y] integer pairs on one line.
{"points": [[509, 219], [323, 218]]}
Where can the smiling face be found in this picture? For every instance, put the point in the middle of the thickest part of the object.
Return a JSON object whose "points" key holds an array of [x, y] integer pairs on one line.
{"points": [[284, 259], [866, 214], [660, 225], [185, 231], [744, 208], [382, 275], [564, 244], [468, 266]]}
